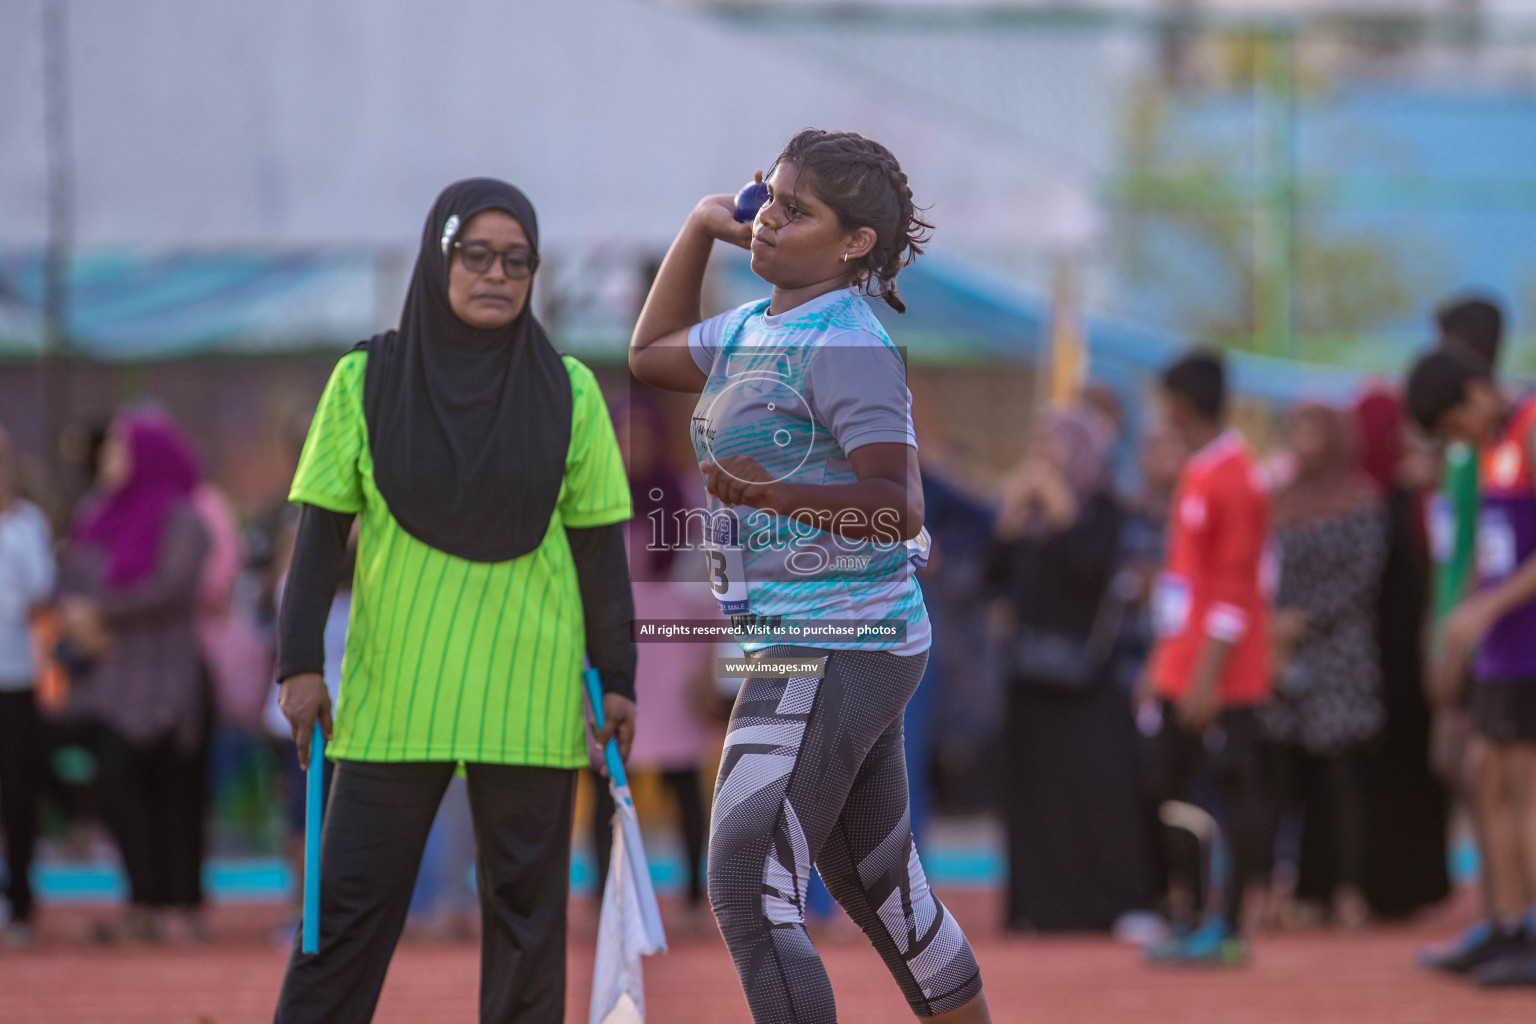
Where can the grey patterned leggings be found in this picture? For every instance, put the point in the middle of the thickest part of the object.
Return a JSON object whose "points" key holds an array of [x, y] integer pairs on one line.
{"points": [[813, 772]]}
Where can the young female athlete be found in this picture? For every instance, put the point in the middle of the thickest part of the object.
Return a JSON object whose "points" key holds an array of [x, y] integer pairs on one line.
{"points": [[804, 435]]}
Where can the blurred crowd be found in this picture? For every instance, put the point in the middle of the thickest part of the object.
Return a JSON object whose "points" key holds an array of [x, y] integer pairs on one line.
{"points": [[1213, 684], [1211, 702], [1242, 695], [137, 691]]}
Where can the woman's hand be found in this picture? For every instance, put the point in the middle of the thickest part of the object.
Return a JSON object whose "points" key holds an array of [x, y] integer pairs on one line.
{"points": [[1286, 631], [304, 699], [1057, 501], [716, 217], [619, 723], [82, 622], [1034, 488], [1290, 626], [740, 480], [1012, 508]]}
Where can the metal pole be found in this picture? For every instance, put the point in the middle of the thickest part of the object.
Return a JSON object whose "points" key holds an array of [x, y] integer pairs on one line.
{"points": [[61, 213]]}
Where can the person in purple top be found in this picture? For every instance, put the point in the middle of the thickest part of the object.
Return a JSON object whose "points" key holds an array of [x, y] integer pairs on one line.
{"points": [[1454, 398]]}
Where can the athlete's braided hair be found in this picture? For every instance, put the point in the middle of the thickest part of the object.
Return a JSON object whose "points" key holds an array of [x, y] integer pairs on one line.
{"points": [[864, 185]]}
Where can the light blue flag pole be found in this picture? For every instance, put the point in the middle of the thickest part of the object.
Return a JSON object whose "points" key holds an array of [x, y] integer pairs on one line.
{"points": [[314, 797], [618, 784]]}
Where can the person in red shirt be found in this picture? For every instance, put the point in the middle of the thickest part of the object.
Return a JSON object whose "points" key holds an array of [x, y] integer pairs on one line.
{"points": [[1210, 666]]}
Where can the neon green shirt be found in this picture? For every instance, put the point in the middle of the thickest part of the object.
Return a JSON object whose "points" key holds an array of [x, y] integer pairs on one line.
{"points": [[447, 659]]}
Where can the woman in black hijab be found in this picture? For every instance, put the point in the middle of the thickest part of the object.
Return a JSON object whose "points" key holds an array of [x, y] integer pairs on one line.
{"points": [[490, 558]]}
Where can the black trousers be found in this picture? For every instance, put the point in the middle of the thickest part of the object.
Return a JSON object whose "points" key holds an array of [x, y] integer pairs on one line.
{"points": [[1326, 790], [1228, 755], [686, 786], [154, 799], [19, 779], [376, 825]]}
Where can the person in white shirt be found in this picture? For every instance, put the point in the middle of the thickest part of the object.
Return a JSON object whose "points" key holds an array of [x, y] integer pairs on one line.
{"points": [[26, 581]]}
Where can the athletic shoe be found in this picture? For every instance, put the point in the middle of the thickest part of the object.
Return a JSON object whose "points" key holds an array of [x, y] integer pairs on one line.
{"points": [[1211, 945], [1440, 953], [1481, 944], [1512, 970]]}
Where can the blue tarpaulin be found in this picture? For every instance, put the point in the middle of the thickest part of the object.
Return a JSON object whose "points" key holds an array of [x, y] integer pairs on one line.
{"points": [[959, 313], [126, 308]]}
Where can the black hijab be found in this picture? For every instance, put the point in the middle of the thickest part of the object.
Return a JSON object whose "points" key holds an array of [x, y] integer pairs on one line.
{"points": [[469, 428]]}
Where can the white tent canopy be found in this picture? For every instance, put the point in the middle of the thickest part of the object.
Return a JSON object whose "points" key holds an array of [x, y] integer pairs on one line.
{"points": [[317, 122]]}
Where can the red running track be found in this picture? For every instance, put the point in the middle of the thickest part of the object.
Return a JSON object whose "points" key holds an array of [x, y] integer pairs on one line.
{"points": [[1317, 978]]}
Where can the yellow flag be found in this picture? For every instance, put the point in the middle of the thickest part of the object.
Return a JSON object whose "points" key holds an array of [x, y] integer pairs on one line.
{"points": [[1068, 356]]}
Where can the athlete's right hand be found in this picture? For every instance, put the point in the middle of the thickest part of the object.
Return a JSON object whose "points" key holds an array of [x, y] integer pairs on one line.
{"points": [[716, 217], [303, 699], [1198, 709]]}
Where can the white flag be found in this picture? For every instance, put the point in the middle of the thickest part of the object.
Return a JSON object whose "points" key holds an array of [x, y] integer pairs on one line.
{"points": [[618, 989]]}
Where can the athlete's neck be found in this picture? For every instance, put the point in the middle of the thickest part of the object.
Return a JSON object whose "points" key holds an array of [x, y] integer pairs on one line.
{"points": [[1203, 434], [786, 299]]}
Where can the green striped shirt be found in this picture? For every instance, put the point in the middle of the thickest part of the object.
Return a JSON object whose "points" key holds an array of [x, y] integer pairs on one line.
{"points": [[447, 659]]}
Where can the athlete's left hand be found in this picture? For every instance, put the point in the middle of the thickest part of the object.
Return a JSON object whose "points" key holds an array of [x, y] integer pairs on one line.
{"points": [[1464, 629], [618, 721], [739, 480], [1469, 623]]}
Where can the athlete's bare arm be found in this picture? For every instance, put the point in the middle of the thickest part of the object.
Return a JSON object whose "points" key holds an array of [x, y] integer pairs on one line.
{"points": [[658, 350]]}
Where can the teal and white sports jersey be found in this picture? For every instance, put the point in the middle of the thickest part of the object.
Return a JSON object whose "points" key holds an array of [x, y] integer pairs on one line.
{"points": [[798, 392]]}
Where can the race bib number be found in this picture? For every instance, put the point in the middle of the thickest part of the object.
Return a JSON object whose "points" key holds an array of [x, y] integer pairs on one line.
{"points": [[1496, 554], [724, 562], [1442, 529], [1170, 605]]}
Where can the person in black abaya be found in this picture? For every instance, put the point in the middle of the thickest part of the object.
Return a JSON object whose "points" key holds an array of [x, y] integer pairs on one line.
{"points": [[1403, 802], [1076, 843]]}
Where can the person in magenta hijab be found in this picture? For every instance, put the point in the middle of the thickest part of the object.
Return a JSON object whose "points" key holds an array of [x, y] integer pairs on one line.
{"points": [[128, 594]]}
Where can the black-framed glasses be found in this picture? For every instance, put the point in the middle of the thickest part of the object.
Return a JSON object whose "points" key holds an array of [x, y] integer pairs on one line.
{"points": [[517, 264]]}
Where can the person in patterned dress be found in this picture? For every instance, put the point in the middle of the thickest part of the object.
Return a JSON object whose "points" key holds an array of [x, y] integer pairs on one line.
{"points": [[1330, 534]]}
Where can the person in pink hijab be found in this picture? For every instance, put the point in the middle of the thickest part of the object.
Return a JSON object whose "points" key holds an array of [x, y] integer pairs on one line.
{"points": [[128, 595]]}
